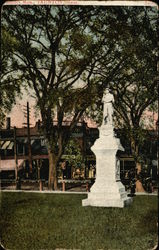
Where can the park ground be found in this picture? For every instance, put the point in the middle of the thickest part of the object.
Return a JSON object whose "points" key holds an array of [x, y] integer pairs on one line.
{"points": [[47, 221]]}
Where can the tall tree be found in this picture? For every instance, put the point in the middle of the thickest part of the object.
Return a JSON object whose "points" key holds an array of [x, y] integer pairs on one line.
{"points": [[136, 92], [67, 55], [135, 87], [55, 49]]}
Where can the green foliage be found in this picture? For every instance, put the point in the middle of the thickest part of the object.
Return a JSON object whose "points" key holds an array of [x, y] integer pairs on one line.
{"points": [[68, 55], [136, 91], [74, 154], [10, 86], [51, 54]]}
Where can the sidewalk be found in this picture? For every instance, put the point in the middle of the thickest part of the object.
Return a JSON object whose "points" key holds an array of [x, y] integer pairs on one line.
{"points": [[45, 192], [154, 193], [66, 192]]}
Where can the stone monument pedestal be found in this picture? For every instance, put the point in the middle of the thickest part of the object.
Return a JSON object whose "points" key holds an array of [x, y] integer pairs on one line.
{"points": [[107, 191]]}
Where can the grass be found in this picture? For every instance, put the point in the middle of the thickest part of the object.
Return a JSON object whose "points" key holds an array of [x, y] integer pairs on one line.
{"points": [[49, 221]]}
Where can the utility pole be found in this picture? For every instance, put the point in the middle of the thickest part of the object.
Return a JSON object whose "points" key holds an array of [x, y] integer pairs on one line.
{"points": [[15, 157], [29, 140], [27, 115]]}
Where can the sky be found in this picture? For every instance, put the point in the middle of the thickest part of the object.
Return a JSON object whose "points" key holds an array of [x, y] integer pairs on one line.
{"points": [[17, 114], [18, 111]]}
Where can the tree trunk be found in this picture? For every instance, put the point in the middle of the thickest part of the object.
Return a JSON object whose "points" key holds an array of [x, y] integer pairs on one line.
{"points": [[135, 151], [52, 182], [138, 168], [139, 186]]}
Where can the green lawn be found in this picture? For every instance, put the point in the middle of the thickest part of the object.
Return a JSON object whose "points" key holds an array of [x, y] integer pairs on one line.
{"points": [[49, 221]]}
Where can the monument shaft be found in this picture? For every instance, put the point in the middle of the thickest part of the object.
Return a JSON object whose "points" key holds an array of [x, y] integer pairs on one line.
{"points": [[107, 191]]}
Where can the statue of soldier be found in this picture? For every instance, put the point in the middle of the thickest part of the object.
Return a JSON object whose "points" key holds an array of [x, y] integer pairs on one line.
{"points": [[108, 108]]}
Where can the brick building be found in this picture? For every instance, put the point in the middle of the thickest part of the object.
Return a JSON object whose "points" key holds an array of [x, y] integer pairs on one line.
{"points": [[84, 138]]}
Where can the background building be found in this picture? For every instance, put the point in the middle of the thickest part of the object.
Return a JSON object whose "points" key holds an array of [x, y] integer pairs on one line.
{"points": [[69, 167]]}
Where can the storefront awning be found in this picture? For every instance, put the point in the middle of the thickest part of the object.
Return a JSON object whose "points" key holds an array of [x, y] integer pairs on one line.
{"points": [[8, 165]]}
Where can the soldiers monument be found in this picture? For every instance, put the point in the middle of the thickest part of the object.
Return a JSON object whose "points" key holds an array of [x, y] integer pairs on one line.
{"points": [[107, 191]]}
